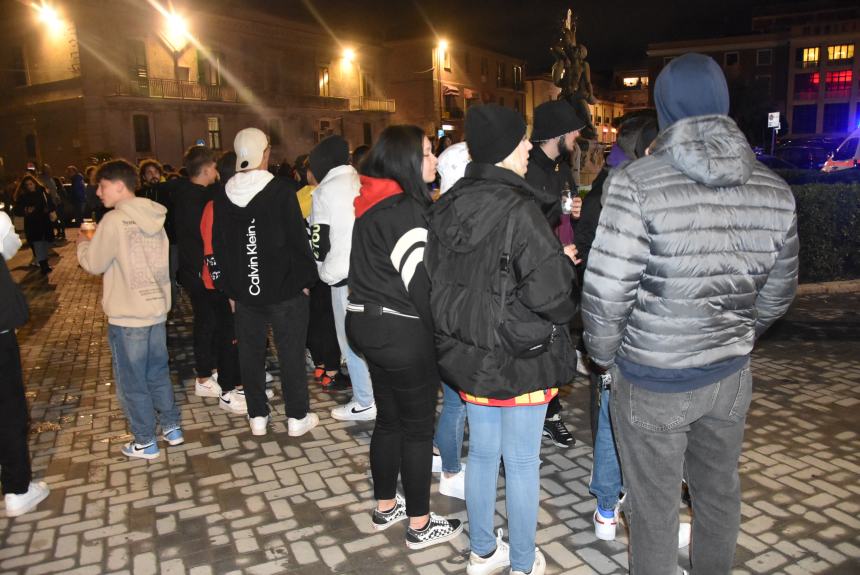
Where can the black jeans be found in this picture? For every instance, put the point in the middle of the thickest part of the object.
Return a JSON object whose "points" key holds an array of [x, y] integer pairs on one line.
{"points": [[214, 333], [289, 321], [402, 360], [322, 336], [15, 472]]}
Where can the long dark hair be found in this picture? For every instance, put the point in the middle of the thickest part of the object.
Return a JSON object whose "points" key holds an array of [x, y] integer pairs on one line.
{"points": [[399, 155], [21, 190]]}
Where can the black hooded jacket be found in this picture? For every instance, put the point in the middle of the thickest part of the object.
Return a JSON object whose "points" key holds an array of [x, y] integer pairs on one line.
{"points": [[547, 179], [464, 248]]}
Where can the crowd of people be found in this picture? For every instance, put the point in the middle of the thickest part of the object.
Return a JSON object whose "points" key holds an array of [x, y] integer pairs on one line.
{"points": [[682, 254]]}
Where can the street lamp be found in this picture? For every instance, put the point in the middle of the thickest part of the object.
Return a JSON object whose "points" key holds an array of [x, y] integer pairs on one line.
{"points": [[349, 55], [49, 16], [441, 48], [175, 36]]}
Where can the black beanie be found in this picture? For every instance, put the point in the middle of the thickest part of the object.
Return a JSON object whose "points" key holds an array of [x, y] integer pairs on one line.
{"points": [[553, 119], [328, 154], [493, 132]]}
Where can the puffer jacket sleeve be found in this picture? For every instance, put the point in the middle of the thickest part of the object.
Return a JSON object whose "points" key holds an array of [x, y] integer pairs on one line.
{"points": [[779, 289], [547, 279], [616, 263]]}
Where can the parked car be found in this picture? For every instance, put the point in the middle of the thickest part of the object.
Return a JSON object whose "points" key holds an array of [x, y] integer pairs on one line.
{"points": [[775, 163], [846, 156], [803, 157]]}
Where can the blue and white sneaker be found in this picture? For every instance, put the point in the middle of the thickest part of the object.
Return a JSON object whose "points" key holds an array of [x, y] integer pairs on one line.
{"points": [[174, 436], [148, 451]]}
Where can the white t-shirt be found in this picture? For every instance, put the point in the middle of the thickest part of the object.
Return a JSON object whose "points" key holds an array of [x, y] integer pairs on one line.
{"points": [[9, 240]]}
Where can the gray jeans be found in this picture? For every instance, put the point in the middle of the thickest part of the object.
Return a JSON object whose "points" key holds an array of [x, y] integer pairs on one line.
{"points": [[658, 434]]}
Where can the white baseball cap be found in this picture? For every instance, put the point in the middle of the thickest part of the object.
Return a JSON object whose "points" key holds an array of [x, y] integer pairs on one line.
{"points": [[250, 145]]}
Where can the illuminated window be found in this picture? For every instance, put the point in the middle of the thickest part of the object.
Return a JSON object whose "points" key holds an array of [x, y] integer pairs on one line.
{"points": [[841, 52], [808, 57], [214, 132], [322, 78], [630, 82], [643, 81], [838, 83], [806, 86], [518, 77]]}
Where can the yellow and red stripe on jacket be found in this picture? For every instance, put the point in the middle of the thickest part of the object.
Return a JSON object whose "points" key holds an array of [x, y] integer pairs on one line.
{"points": [[539, 397]]}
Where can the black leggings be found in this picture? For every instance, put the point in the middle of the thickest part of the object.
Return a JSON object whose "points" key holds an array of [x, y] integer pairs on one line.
{"points": [[322, 336], [402, 360]]}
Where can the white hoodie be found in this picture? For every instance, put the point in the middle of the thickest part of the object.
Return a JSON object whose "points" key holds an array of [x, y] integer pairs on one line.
{"points": [[10, 243], [130, 248], [333, 207]]}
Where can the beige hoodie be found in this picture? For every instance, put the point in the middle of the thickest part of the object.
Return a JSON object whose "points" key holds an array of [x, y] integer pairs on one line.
{"points": [[130, 248]]}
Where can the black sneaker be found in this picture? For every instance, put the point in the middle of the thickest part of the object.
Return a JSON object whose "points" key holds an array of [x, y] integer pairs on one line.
{"points": [[438, 530], [554, 429], [382, 521], [336, 384]]}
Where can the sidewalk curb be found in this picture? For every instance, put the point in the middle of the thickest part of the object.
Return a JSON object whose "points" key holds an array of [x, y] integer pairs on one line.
{"points": [[844, 286]]}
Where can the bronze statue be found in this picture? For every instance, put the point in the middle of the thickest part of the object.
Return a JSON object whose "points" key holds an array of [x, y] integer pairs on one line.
{"points": [[572, 73]]}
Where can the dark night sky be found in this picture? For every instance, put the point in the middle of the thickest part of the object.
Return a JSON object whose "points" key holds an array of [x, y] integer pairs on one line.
{"points": [[616, 32]]}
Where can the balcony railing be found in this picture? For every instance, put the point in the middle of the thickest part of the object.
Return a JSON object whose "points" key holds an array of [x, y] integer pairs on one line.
{"points": [[169, 89], [372, 105]]}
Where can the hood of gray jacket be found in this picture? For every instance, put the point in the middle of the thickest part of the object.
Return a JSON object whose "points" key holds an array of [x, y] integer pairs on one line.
{"points": [[709, 149]]}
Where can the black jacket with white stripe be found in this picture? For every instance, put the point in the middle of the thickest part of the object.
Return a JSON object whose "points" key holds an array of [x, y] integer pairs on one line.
{"points": [[386, 266]]}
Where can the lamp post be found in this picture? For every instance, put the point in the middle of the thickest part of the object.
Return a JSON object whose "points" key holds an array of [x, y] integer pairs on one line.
{"points": [[439, 65], [175, 37]]}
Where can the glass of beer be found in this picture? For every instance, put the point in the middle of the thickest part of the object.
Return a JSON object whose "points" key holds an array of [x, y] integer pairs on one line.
{"points": [[88, 228]]}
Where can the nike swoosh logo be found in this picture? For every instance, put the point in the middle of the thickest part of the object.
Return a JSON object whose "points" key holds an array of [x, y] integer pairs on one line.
{"points": [[354, 410]]}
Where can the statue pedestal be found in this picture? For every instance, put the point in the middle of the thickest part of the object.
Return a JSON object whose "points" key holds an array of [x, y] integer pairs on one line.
{"points": [[591, 161]]}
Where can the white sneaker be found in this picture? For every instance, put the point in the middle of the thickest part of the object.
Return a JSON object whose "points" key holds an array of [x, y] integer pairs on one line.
{"points": [[234, 402], [605, 527], [454, 486], [500, 559], [208, 388], [297, 427], [538, 568], [270, 394], [21, 503], [437, 464], [684, 530], [269, 378], [352, 411], [259, 424]]}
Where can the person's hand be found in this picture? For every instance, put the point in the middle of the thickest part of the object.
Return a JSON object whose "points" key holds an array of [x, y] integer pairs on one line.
{"points": [[306, 291], [576, 210], [233, 306], [571, 252]]}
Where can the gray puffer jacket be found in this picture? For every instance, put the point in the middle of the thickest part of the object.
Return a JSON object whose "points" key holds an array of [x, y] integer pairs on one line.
{"points": [[695, 254]]}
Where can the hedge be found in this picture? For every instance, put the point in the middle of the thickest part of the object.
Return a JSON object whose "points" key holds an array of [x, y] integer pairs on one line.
{"points": [[828, 225]]}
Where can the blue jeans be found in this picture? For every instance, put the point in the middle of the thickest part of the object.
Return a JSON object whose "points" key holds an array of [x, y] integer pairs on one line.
{"points": [[605, 470], [449, 429], [143, 379], [362, 389], [515, 434]]}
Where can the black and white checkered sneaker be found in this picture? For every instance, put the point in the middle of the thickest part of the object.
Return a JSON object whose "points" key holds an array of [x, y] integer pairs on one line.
{"points": [[438, 530], [394, 515]]}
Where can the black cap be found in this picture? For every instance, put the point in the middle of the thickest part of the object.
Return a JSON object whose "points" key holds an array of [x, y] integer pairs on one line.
{"points": [[493, 132], [328, 154], [553, 119]]}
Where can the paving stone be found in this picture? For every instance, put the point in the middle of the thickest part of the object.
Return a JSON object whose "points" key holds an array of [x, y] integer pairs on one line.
{"points": [[228, 502]]}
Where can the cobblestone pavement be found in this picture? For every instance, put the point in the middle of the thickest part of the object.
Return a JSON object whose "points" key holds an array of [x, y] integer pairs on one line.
{"points": [[227, 502]]}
